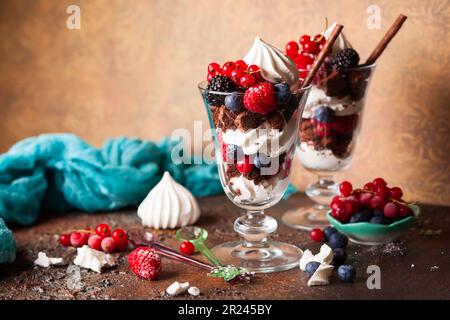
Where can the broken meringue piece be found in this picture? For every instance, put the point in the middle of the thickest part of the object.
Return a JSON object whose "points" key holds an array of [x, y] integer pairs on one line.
{"points": [[94, 260], [194, 291], [305, 259], [325, 255], [320, 277], [44, 261], [177, 288]]}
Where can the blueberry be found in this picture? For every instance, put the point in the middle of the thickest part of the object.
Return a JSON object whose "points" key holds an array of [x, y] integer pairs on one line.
{"points": [[339, 256], [328, 231], [337, 240], [311, 267], [346, 273], [324, 114], [262, 160], [293, 102], [281, 87], [361, 217], [234, 102], [234, 153], [378, 213], [380, 220], [283, 97]]}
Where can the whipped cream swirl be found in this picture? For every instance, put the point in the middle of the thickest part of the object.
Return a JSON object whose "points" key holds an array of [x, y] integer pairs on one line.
{"points": [[341, 42], [168, 205], [275, 66]]}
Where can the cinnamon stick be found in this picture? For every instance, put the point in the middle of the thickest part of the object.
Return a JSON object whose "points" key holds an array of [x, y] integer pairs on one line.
{"points": [[392, 31], [322, 55]]}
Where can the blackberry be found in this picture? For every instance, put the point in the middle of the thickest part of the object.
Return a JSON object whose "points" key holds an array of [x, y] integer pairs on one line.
{"points": [[219, 84], [347, 58]]}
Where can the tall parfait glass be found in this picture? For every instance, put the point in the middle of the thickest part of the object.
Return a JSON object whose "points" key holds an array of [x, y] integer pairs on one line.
{"points": [[254, 155]]}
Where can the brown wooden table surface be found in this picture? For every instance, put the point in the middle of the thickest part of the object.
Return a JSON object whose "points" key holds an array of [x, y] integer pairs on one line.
{"points": [[417, 267]]}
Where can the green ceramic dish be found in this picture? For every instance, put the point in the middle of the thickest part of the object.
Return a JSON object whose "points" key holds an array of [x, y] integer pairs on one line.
{"points": [[375, 234]]}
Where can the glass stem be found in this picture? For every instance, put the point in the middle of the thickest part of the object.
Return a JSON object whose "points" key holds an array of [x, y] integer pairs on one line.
{"points": [[255, 227]]}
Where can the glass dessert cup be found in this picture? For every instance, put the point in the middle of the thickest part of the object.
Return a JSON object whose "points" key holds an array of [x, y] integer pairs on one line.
{"points": [[329, 133], [267, 145]]}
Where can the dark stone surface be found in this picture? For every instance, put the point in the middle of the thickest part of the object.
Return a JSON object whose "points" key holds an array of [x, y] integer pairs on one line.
{"points": [[418, 267]]}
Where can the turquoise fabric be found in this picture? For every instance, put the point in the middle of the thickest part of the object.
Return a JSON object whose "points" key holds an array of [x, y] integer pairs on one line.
{"points": [[60, 172], [7, 244]]}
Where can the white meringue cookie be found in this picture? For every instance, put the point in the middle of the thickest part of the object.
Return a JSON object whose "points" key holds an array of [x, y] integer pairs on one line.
{"points": [[325, 256], [275, 66], [320, 277], [168, 205]]}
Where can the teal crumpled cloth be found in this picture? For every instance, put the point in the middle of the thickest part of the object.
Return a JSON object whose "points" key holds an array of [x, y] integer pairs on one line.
{"points": [[60, 172], [7, 244]]}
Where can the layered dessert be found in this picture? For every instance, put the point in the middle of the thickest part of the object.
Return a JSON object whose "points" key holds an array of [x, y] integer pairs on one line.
{"points": [[254, 108], [330, 121]]}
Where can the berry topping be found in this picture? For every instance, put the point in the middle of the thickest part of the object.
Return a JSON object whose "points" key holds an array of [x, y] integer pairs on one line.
{"points": [[240, 64], [64, 240], [346, 273], [227, 68], [187, 247], [317, 235], [324, 114], [145, 263], [103, 230], [234, 102], [379, 182], [253, 68], [337, 240], [219, 84], [247, 80], [244, 166], [369, 186], [95, 242], [260, 98], [347, 58], [108, 245], [214, 67], [304, 39], [78, 239], [282, 93], [311, 267], [346, 188], [236, 75]]}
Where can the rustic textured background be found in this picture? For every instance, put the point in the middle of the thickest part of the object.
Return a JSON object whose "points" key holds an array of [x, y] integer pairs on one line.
{"points": [[133, 67]]}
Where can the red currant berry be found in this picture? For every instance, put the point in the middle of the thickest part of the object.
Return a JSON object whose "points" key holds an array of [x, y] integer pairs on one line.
{"points": [[187, 247], [352, 206], [310, 47], [120, 236], [403, 211], [209, 77], [365, 198], [346, 188], [292, 45], [257, 76], [95, 242], [236, 75], [390, 210], [304, 39], [213, 67], [108, 244], [396, 193], [292, 54], [240, 64], [382, 191], [253, 68], [228, 67], [247, 80], [377, 202], [317, 235], [78, 239], [369, 186], [379, 182], [64, 239], [103, 230], [244, 166]]}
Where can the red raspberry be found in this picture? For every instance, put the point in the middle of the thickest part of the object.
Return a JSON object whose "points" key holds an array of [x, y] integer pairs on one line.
{"points": [[260, 98], [145, 263]]}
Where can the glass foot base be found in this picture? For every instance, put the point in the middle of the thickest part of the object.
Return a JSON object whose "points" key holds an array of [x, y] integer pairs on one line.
{"points": [[273, 257], [306, 218]]}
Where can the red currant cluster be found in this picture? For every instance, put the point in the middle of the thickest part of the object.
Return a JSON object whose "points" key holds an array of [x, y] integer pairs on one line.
{"points": [[375, 203], [304, 58], [101, 239], [187, 247], [242, 75]]}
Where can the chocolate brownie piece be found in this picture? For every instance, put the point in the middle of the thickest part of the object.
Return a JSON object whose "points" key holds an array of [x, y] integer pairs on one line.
{"points": [[357, 83], [340, 146], [276, 120], [226, 118], [336, 84], [254, 175], [232, 171], [247, 120]]}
